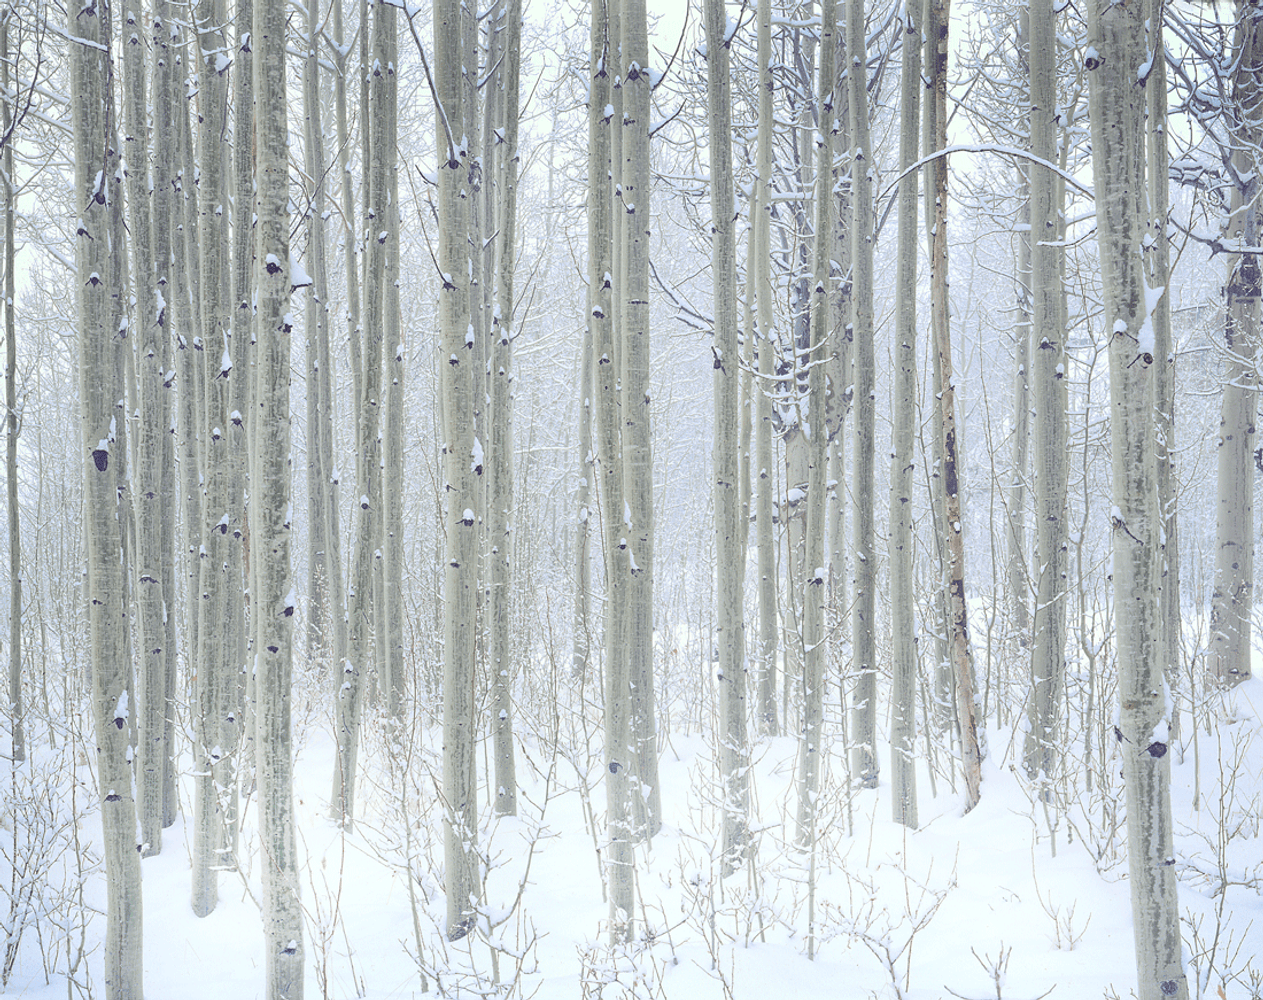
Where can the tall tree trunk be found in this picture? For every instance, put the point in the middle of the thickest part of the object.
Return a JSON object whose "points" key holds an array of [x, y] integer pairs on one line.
{"points": [[815, 592], [1233, 599], [1048, 379], [1117, 46], [275, 603], [864, 538], [101, 307], [500, 484], [765, 530], [637, 454], [1164, 357], [151, 562], [903, 624], [461, 473], [734, 754], [17, 726], [214, 732]]}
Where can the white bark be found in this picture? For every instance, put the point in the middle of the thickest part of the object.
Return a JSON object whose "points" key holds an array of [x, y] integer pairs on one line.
{"points": [[460, 482], [271, 496], [1117, 46], [903, 624], [102, 296], [864, 538], [734, 754]]}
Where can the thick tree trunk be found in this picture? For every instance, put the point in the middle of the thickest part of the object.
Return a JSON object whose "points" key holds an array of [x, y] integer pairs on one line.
{"points": [[102, 307], [1117, 46], [734, 754], [276, 600], [903, 624]]}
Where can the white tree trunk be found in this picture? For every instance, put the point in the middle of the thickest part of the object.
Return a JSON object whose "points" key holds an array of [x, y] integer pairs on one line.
{"points": [[1117, 46], [864, 538], [102, 301], [729, 537], [903, 623]]}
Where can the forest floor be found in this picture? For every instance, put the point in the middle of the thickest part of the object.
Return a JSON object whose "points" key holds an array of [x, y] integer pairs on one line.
{"points": [[1016, 900]]}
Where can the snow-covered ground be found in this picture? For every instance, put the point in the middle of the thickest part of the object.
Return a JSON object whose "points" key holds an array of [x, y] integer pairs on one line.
{"points": [[1012, 901]]}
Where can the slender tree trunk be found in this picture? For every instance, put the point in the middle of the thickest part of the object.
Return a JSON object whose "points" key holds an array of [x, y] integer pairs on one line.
{"points": [[1164, 358], [765, 711], [214, 734], [102, 301], [815, 592], [903, 624], [461, 482], [637, 454], [1117, 36], [1048, 378], [734, 754], [1233, 599], [275, 603], [17, 728], [500, 485], [863, 615]]}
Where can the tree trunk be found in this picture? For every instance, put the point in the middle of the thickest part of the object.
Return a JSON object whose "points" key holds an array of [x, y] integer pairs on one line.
{"points": [[276, 600], [903, 624], [102, 307], [500, 485], [462, 470], [734, 754], [1117, 46], [864, 766], [1043, 749]]}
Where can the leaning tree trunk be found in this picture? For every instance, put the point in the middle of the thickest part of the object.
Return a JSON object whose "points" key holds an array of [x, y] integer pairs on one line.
{"points": [[1117, 46], [940, 323], [734, 755], [101, 307], [864, 766], [903, 624]]}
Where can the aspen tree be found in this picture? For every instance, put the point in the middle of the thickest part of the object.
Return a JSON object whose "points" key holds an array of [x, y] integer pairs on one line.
{"points": [[734, 754], [1117, 49], [214, 731], [940, 321], [461, 467], [272, 501], [1048, 384], [356, 668], [151, 563], [15, 712], [864, 537], [765, 699], [620, 858], [637, 454], [814, 592], [102, 298], [903, 624], [1159, 277], [1233, 598], [500, 480]]}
